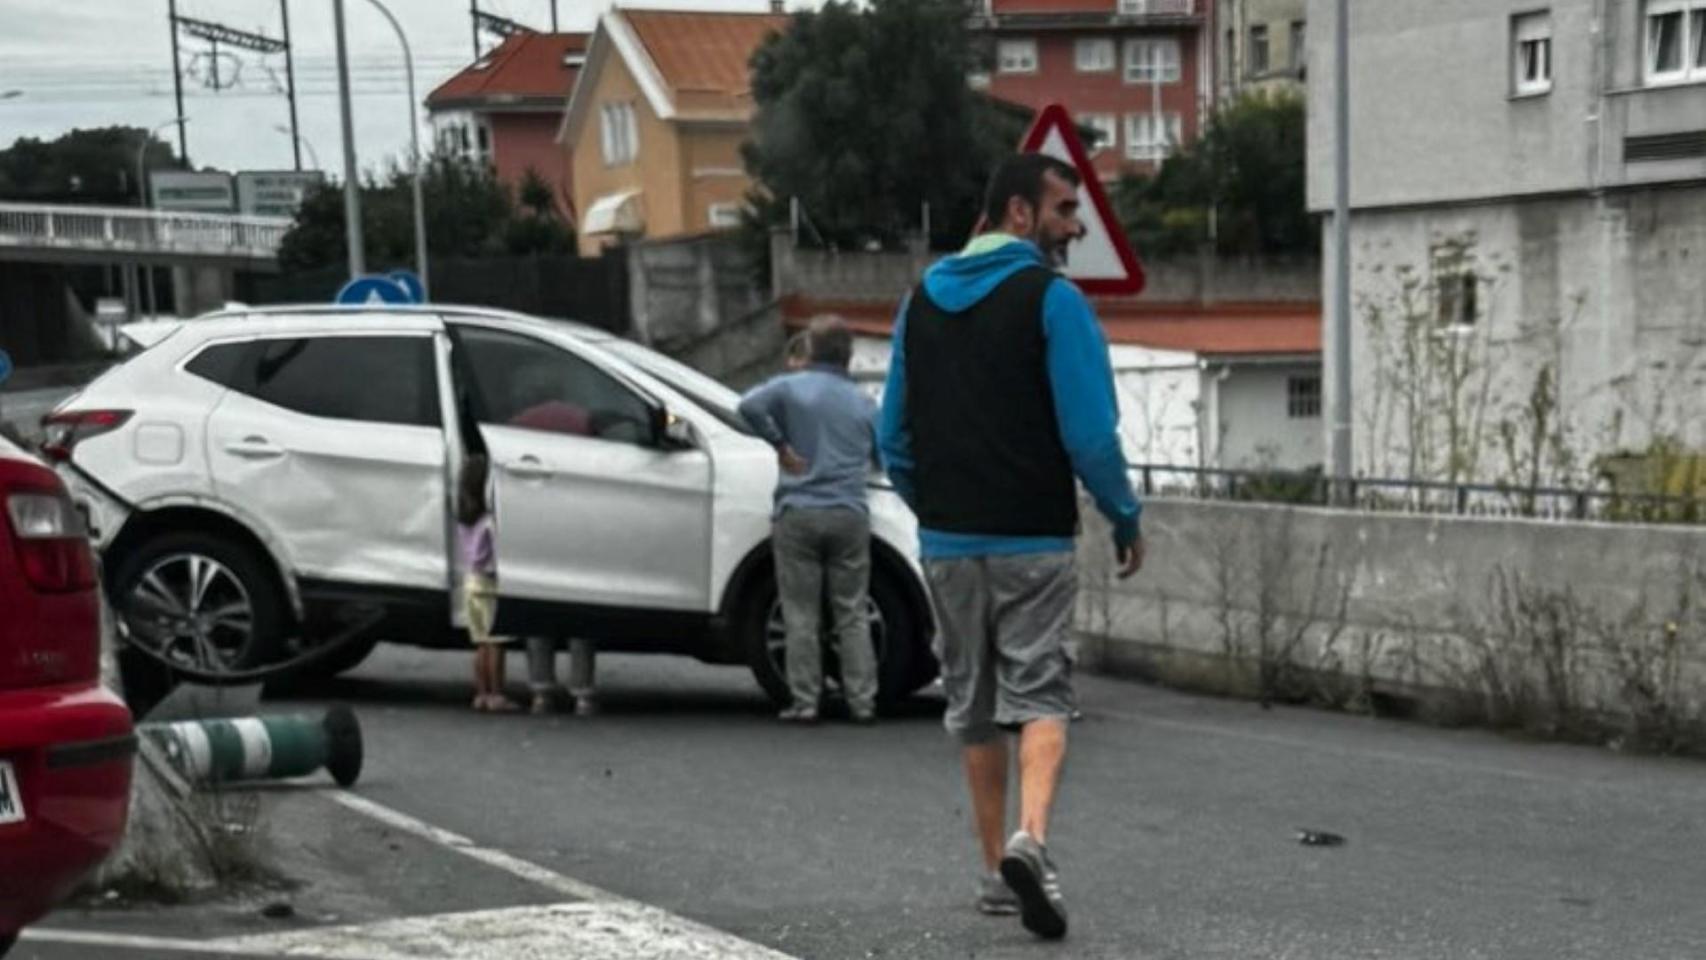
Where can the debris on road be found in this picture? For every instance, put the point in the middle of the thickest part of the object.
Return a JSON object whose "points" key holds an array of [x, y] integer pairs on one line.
{"points": [[251, 748], [1319, 838]]}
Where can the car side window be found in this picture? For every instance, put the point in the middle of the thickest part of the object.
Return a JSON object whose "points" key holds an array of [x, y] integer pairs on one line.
{"points": [[522, 382], [227, 364], [372, 379]]}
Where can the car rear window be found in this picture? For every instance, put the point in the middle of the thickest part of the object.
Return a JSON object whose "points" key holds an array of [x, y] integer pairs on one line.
{"points": [[374, 379], [223, 363]]}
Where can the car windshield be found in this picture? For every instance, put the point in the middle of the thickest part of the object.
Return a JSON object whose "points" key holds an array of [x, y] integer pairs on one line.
{"points": [[716, 398]]}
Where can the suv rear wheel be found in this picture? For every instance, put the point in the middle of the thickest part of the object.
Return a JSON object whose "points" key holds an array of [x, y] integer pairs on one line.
{"points": [[201, 600], [901, 661]]}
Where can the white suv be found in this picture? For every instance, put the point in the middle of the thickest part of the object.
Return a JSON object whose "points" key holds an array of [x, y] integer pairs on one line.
{"points": [[258, 477]]}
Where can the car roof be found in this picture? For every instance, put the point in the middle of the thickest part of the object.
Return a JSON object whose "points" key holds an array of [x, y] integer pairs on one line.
{"points": [[424, 315]]}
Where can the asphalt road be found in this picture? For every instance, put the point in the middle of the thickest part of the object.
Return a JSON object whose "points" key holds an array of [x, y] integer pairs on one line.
{"points": [[1176, 831]]}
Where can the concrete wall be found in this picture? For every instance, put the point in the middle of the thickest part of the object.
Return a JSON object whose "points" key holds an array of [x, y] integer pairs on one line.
{"points": [[886, 277], [693, 298], [1256, 428], [1505, 613], [1434, 119], [1608, 295]]}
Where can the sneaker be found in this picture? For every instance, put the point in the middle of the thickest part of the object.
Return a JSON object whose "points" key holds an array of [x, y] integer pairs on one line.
{"points": [[863, 718], [798, 714], [994, 897], [1029, 871], [586, 707]]}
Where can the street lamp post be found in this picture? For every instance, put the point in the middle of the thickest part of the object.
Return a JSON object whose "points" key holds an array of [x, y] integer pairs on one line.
{"points": [[313, 154], [414, 149], [352, 181]]}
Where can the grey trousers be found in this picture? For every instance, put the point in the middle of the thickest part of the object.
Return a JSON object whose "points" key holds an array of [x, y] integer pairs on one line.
{"points": [[542, 666], [816, 548]]}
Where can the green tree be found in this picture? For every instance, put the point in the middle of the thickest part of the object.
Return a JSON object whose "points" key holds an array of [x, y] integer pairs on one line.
{"points": [[88, 166], [468, 214], [864, 115], [1242, 181]]}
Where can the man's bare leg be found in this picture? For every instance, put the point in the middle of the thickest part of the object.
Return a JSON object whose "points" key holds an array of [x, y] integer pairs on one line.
{"points": [[986, 776], [1042, 751]]}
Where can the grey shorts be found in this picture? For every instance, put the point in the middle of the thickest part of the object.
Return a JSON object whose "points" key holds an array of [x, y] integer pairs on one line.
{"points": [[1003, 627]]}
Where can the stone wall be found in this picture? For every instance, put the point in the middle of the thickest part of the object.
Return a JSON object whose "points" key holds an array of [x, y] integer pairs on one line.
{"points": [[1506, 621]]}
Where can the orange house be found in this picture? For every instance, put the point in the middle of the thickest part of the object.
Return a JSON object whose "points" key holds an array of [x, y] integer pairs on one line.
{"points": [[656, 121], [503, 110]]}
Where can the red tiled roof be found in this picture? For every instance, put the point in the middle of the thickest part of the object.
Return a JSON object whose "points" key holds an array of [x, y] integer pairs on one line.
{"points": [[1220, 329], [703, 57], [525, 66]]}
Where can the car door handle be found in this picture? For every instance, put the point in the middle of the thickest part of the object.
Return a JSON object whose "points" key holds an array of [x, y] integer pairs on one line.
{"points": [[528, 467], [254, 448]]}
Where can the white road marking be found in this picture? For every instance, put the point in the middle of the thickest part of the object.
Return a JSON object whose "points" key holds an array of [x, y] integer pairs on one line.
{"points": [[602, 926], [586, 931], [123, 941]]}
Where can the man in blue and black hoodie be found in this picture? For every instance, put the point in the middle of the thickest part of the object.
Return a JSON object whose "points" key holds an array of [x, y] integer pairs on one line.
{"points": [[999, 395]]}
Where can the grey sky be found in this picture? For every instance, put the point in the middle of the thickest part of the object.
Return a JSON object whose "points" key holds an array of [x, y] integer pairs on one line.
{"points": [[89, 63]]}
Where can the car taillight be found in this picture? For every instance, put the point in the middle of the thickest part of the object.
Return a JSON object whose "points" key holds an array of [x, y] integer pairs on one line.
{"points": [[67, 429], [53, 550]]}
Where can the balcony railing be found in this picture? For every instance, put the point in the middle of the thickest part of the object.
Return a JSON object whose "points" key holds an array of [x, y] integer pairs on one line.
{"points": [[128, 230]]}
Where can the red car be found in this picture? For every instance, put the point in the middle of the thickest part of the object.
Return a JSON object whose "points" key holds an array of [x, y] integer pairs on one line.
{"points": [[66, 742]]}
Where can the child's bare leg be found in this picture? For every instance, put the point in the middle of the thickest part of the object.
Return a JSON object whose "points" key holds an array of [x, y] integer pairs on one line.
{"points": [[496, 698]]}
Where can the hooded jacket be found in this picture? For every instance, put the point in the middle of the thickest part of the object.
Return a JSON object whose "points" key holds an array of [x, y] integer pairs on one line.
{"points": [[1079, 381]]}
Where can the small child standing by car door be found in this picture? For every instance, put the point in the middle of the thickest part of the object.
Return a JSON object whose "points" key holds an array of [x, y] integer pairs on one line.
{"points": [[476, 548]]}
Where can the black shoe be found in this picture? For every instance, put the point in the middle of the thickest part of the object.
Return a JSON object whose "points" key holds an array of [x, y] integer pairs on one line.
{"points": [[1028, 870]]}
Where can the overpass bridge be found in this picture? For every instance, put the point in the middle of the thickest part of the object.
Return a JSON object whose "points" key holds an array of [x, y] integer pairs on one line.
{"points": [[58, 233], [39, 242]]}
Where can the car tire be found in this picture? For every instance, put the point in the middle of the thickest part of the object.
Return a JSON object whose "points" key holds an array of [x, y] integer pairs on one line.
{"points": [[238, 578], [903, 663], [6, 942]]}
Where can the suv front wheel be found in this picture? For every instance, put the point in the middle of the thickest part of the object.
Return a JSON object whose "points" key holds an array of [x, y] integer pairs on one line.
{"points": [[895, 636], [201, 600]]}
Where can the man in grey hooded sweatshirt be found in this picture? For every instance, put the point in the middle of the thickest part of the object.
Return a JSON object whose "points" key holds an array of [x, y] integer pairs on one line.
{"points": [[824, 432]]}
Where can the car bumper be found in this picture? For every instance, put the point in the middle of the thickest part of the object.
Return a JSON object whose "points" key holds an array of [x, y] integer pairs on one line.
{"points": [[71, 751]]}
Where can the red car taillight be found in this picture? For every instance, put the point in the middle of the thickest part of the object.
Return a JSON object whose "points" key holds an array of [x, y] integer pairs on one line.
{"points": [[47, 532], [66, 430]]}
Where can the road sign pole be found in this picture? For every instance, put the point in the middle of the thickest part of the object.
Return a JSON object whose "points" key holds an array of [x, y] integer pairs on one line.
{"points": [[1339, 440]]}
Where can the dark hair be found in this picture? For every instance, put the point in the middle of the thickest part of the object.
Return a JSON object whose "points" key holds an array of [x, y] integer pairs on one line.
{"points": [[471, 489], [831, 342], [1021, 175]]}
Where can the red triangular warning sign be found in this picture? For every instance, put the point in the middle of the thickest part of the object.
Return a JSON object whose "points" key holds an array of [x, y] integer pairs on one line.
{"points": [[1102, 261]]}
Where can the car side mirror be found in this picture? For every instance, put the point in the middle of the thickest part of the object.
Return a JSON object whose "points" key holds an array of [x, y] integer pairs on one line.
{"points": [[672, 432]]}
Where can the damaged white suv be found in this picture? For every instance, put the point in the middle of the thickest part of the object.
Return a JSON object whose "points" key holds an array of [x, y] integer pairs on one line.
{"points": [[257, 478]]}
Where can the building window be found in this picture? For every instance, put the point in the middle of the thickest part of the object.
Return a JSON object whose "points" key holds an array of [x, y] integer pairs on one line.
{"points": [[1231, 68], [620, 137], [1152, 61], [1303, 398], [1094, 54], [1455, 296], [1299, 45], [1151, 136], [1676, 41], [1107, 127], [723, 215], [1531, 53], [1016, 56], [484, 138], [1258, 52]]}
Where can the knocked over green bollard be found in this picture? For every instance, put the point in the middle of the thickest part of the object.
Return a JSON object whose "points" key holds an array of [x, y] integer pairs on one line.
{"points": [[256, 748]]}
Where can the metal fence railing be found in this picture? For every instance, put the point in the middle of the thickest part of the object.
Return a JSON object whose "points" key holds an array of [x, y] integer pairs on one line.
{"points": [[1312, 488], [132, 230]]}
